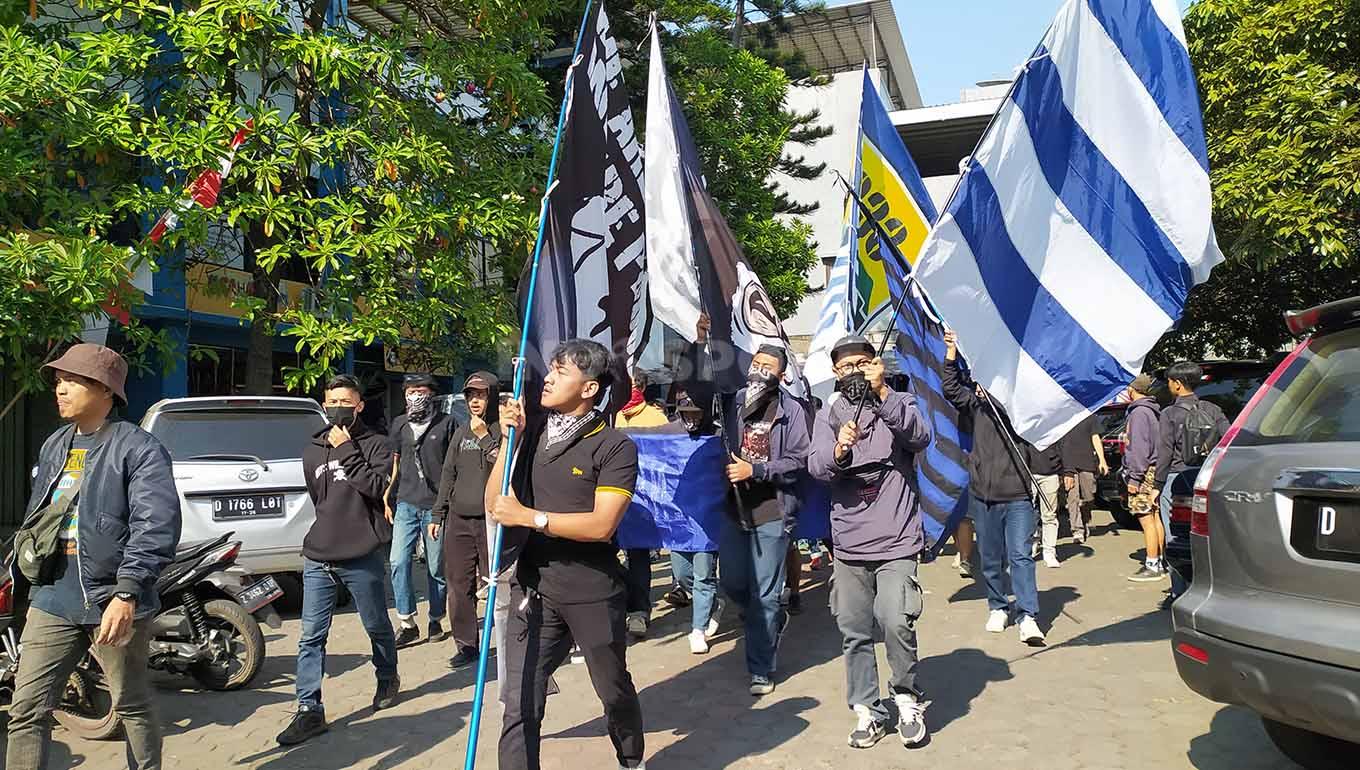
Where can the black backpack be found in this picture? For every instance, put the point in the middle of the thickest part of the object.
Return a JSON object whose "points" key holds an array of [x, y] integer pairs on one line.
{"points": [[1199, 432]]}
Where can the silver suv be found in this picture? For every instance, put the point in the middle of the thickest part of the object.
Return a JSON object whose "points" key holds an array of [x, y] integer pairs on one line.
{"points": [[238, 467], [1272, 619]]}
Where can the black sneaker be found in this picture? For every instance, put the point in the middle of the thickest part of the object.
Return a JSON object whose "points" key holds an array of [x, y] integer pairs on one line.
{"points": [[464, 656], [305, 726], [1146, 574], [386, 696], [437, 632], [796, 604], [407, 636], [677, 597]]}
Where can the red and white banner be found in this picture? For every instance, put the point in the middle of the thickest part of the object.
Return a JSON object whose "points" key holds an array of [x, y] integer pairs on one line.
{"points": [[202, 190]]}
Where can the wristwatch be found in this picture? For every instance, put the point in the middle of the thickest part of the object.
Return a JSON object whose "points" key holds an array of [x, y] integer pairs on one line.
{"points": [[541, 521], [126, 596]]}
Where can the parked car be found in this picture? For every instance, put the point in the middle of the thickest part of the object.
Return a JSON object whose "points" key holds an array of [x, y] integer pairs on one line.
{"points": [[1229, 384], [238, 466], [1270, 622]]}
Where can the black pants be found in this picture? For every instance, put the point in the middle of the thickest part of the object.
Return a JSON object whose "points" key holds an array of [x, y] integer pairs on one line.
{"points": [[465, 563], [538, 640], [639, 580]]}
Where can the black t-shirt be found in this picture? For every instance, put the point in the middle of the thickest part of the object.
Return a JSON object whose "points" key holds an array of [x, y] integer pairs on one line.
{"points": [[1078, 454], [760, 498], [564, 479]]}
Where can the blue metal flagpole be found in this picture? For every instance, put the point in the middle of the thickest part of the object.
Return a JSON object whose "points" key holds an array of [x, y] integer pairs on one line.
{"points": [[474, 724]]}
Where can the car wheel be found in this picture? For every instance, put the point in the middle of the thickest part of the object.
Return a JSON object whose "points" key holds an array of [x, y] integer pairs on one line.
{"points": [[1311, 750]]}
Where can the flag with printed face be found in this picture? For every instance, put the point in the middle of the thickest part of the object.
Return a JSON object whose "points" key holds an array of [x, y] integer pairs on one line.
{"points": [[1082, 221], [695, 263]]}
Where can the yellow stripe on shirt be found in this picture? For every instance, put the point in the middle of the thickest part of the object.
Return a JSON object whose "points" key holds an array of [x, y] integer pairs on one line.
{"points": [[615, 490]]}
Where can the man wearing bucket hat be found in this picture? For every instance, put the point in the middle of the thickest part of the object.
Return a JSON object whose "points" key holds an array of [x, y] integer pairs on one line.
{"points": [[112, 486]]}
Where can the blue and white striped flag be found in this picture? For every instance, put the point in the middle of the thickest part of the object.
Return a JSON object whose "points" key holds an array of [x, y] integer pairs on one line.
{"points": [[1082, 221]]}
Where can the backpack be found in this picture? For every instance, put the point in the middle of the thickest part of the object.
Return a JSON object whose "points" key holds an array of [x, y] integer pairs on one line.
{"points": [[1199, 432]]}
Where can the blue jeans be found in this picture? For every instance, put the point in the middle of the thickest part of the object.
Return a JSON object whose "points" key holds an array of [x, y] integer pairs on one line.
{"points": [[753, 576], [408, 524], [320, 585], [697, 573], [1004, 531], [1178, 584]]}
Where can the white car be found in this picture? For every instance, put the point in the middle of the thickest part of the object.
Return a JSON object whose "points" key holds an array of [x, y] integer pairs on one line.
{"points": [[238, 467]]}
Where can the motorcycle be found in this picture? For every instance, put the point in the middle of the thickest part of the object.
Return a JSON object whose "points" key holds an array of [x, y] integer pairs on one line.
{"points": [[208, 628]]}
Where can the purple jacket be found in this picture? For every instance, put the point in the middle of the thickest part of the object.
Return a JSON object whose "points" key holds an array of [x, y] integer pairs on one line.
{"points": [[1141, 426], [875, 513]]}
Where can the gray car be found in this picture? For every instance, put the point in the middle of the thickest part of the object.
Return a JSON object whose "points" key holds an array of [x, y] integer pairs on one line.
{"points": [[1272, 619]]}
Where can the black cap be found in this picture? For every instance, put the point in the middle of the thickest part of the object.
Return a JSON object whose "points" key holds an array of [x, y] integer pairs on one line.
{"points": [[417, 380], [851, 343]]}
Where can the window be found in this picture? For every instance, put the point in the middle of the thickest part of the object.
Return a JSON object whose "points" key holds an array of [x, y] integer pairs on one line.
{"points": [[1316, 400], [270, 434]]}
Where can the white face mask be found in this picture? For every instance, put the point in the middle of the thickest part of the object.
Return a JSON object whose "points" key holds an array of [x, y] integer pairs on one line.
{"points": [[418, 406]]}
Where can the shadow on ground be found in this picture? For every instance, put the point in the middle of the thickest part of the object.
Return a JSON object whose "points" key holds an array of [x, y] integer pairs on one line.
{"points": [[1236, 741]]}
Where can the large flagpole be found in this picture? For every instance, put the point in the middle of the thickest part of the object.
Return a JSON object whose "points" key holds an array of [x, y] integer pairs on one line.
{"points": [[475, 722]]}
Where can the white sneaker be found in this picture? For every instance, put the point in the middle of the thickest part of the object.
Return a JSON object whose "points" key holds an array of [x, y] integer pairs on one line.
{"points": [[1051, 559], [714, 618], [997, 621], [957, 560], [1030, 633], [966, 570], [698, 643], [911, 719]]}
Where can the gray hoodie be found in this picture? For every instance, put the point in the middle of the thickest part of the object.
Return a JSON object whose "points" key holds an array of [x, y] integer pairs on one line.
{"points": [[875, 513]]}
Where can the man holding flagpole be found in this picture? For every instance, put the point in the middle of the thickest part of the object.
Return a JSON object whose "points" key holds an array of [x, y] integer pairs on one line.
{"points": [[573, 483], [870, 463]]}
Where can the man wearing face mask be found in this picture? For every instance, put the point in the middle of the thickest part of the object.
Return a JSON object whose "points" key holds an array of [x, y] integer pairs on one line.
{"points": [[346, 468], [869, 463], [420, 441], [768, 428]]}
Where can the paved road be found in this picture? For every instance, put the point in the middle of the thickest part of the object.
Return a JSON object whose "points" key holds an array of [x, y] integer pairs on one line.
{"points": [[1103, 694]]}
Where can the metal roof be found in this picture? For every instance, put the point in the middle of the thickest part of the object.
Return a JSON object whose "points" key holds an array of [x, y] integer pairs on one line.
{"points": [[844, 38], [382, 15]]}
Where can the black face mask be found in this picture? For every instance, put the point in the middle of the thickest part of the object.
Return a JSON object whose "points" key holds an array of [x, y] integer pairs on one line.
{"points": [[854, 386], [341, 416], [758, 377]]}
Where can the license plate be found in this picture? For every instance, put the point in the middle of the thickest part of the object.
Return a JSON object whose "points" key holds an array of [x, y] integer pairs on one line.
{"points": [[1338, 527], [259, 593], [265, 506]]}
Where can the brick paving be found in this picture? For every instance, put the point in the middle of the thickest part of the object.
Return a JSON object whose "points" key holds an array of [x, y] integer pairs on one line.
{"points": [[1103, 694]]}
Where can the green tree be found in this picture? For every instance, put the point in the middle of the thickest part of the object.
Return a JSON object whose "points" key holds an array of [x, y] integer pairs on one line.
{"points": [[383, 162], [1280, 85]]}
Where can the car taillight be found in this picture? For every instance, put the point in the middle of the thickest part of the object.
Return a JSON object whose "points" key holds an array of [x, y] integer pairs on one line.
{"points": [[1199, 506], [7, 597], [1181, 506]]}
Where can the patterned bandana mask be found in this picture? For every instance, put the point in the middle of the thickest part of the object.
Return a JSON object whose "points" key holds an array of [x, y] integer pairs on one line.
{"points": [[564, 426], [418, 406]]}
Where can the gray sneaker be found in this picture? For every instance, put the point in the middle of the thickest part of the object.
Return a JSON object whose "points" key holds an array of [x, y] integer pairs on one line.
{"points": [[869, 730], [761, 685], [1146, 574], [911, 720]]}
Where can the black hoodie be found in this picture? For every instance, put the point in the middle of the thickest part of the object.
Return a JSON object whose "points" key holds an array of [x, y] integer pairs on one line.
{"points": [[346, 484], [462, 482]]}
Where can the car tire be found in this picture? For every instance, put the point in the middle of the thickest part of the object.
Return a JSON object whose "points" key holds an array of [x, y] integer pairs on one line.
{"points": [[1312, 751]]}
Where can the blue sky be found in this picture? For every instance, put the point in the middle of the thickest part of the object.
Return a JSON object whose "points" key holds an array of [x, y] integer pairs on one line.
{"points": [[955, 43]]}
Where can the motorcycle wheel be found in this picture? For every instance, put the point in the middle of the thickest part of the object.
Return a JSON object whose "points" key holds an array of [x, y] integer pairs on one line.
{"points": [[87, 707], [238, 644]]}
